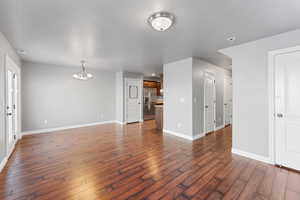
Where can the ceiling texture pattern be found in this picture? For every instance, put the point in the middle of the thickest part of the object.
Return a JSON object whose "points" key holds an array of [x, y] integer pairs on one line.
{"points": [[114, 34]]}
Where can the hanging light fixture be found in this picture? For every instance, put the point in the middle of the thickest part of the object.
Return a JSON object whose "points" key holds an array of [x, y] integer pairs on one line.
{"points": [[83, 75]]}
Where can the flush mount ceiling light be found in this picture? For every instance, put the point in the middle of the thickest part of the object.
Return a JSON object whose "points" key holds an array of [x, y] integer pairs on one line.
{"points": [[83, 75], [161, 21]]}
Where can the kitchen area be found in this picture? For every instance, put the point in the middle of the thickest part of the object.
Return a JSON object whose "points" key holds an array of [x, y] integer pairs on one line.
{"points": [[153, 100]]}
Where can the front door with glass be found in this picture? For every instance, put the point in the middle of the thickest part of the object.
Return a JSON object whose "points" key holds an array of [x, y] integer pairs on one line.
{"points": [[12, 102]]}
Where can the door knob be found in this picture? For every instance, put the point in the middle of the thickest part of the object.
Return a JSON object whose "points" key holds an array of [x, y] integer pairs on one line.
{"points": [[9, 114], [279, 115], [206, 106]]}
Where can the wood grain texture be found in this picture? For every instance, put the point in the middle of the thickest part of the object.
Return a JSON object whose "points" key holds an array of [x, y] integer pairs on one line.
{"points": [[135, 162]]}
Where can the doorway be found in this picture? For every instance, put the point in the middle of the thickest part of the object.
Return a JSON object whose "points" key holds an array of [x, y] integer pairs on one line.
{"points": [[152, 97], [209, 103], [12, 103], [133, 100], [227, 101]]}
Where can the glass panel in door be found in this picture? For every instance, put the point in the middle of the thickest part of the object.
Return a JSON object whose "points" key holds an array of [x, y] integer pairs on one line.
{"points": [[9, 107]]}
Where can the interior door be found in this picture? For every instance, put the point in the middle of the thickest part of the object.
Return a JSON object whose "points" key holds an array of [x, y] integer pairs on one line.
{"points": [[12, 102], [209, 103], [227, 101], [287, 106], [133, 97]]}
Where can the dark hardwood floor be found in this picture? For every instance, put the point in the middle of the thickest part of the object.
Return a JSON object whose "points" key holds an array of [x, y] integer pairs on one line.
{"points": [[136, 162]]}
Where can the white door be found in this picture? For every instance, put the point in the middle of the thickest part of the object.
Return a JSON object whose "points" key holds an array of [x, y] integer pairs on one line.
{"points": [[227, 101], [12, 104], [133, 100], [209, 103], [287, 106]]}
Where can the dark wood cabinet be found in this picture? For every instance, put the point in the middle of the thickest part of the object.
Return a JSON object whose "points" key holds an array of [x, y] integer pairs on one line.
{"points": [[153, 84]]}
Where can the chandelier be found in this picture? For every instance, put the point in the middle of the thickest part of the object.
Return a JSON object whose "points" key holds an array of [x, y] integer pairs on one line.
{"points": [[83, 74]]}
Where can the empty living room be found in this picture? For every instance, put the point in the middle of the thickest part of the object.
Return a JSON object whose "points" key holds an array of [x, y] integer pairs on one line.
{"points": [[149, 100]]}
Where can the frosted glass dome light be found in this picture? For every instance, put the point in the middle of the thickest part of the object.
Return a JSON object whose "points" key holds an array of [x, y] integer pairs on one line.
{"points": [[161, 21]]}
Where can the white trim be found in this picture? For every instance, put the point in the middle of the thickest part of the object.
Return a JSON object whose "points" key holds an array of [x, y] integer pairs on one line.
{"points": [[9, 149], [227, 78], [181, 135], [9, 63], [271, 96], [211, 75], [252, 156], [119, 122], [187, 137], [3, 163], [140, 96], [219, 127], [5, 159], [198, 136], [66, 127]]}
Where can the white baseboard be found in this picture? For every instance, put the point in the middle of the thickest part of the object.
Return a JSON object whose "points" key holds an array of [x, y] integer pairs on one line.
{"points": [[187, 137], [65, 127], [3, 163], [219, 127], [252, 156], [5, 159], [119, 122], [198, 136]]}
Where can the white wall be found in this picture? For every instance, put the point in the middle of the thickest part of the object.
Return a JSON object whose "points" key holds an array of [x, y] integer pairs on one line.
{"points": [[119, 97], [199, 69], [198, 97], [5, 49], [178, 97], [250, 91], [50, 93], [184, 80]]}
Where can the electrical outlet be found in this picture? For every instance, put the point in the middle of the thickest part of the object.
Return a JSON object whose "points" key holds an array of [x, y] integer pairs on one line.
{"points": [[45, 121]]}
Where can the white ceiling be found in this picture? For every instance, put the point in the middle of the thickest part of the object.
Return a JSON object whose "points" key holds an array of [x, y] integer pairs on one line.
{"points": [[114, 35]]}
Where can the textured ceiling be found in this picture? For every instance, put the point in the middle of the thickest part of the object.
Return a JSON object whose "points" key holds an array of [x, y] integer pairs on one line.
{"points": [[114, 35]]}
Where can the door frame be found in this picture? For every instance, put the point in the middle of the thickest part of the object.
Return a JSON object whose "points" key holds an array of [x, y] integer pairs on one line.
{"points": [[9, 60], [227, 78], [140, 98], [271, 99], [212, 75]]}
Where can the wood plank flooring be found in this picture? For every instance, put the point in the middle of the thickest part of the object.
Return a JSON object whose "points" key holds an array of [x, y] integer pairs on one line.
{"points": [[137, 162]]}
